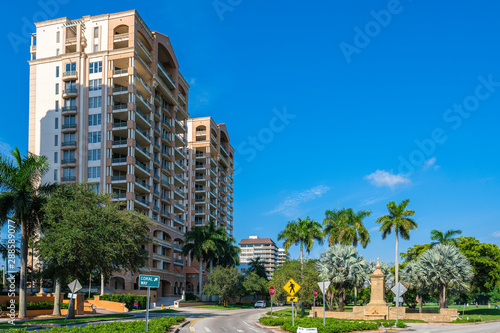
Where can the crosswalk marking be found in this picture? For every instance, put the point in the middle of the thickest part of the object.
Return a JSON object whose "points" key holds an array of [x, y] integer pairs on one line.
{"points": [[251, 327], [238, 329], [224, 329], [191, 329], [207, 329]]}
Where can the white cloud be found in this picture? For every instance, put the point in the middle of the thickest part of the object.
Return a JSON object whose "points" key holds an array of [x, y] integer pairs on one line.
{"points": [[5, 148], [192, 82], [381, 178], [290, 206], [496, 234], [431, 163]]}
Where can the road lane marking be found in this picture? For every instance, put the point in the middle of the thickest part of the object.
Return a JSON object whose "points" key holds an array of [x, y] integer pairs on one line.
{"points": [[224, 329], [191, 329], [251, 327], [238, 329], [207, 329]]}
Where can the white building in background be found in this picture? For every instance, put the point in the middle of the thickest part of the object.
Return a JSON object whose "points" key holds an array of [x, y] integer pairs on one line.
{"points": [[263, 248]]}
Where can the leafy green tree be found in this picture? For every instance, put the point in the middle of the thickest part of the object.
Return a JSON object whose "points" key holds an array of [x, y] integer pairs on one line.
{"points": [[257, 265], [342, 265], [346, 227], [224, 282], [485, 261], [412, 253], [254, 285], [21, 200], [84, 232], [202, 243], [399, 221], [444, 266], [444, 238]]}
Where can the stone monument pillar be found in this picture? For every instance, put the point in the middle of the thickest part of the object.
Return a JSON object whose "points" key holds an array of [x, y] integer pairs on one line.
{"points": [[377, 308]]}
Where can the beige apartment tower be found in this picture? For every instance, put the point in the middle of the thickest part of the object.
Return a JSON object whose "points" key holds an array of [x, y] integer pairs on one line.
{"points": [[108, 106]]}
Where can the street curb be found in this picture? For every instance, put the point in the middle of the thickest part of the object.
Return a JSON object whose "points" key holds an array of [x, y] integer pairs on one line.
{"points": [[178, 329]]}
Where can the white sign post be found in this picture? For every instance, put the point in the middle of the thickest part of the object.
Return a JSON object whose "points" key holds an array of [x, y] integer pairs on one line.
{"points": [[398, 290], [324, 287]]}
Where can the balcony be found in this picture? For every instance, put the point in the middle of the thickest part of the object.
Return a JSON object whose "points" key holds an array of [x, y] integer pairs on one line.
{"points": [[120, 90], [143, 166], [68, 143], [182, 99], [170, 81], [120, 142], [180, 152], [69, 109], [68, 178], [143, 82], [180, 138], [68, 161], [70, 92], [143, 116], [178, 247], [120, 125], [144, 101], [179, 165], [224, 151], [199, 189], [142, 201], [179, 192], [180, 207], [142, 183], [119, 178], [119, 195], [120, 107], [119, 160], [120, 37], [68, 127], [178, 262], [120, 72], [144, 51], [70, 75]]}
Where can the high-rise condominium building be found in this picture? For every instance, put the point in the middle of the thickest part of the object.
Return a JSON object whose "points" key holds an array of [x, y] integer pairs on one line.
{"points": [[263, 248], [282, 256], [211, 165], [108, 106]]}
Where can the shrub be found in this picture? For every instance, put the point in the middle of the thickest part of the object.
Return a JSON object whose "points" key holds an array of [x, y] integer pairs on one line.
{"points": [[35, 306], [128, 299], [191, 297]]}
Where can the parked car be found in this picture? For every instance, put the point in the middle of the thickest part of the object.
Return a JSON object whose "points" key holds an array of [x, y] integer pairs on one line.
{"points": [[260, 304]]}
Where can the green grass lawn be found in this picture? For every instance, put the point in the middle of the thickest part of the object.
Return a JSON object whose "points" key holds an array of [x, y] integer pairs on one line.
{"points": [[27, 323], [164, 311], [226, 307], [287, 312]]}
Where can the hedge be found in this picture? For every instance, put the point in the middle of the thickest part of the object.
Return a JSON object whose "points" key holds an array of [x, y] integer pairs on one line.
{"points": [[128, 299], [35, 306], [156, 325]]}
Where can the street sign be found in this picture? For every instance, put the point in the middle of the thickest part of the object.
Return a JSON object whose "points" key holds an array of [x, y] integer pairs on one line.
{"points": [[151, 281], [398, 299], [291, 287], [272, 291], [326, 284], [399, 289], [292, 299], [74, 286], [315, 292]]}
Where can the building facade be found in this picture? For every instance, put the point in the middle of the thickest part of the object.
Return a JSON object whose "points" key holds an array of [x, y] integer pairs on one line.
{"points": [[263, 248], [108, 106], [282, 256]]}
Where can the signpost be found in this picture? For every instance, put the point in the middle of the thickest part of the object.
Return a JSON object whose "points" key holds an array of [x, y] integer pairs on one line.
{"points": [[272, 291], [398, 290], [314, 302], [74, 286], [292, 287], [148, 281], [324, 287]]}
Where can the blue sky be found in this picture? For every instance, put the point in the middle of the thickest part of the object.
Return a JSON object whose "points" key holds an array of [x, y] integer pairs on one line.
{"points": [[331, 104]]}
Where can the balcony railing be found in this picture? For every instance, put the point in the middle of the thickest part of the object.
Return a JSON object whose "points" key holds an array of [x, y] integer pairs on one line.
{"points": [[119, 160], [141, 200], [178, 247], [141, 80], [170, 79], [66, 126], [178, 219], [119, 177], [139, 112], [148, 104], [120, 106], [142, 166], [69, 108], [165, 182], [142, 183], [142, 149], [121, 195], [68, 143], [120, 71], [68, 178], [183, 100], [68, 161], [179, 192], [119, 142], [70, 73], [120, 124], [178, 205], [178, 261], [69, 91], [143, 132], [120, 89]]}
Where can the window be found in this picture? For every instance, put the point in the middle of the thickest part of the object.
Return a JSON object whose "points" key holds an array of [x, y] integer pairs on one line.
{"points": [[70, 85], [55, 174], [56, 140], [58, 36], [95, 102], [57, 52], [94, 172], [94, 137], [57, 106], [71, 67], [69, 138], [95, 187], [57, 71], [56, 124], [96, 67], [69, 174], [94, 119], [68, 120], [94, 155], [96, 32], [57, 88], [56, 157], [96, 47], [95, 85]]}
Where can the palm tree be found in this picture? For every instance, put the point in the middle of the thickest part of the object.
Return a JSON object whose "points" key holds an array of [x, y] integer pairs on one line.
{"points": [[445, 266], [4, 253], [346, 227], [444, 238], [227, 254], [414, 276], [342, 265], [257, 265], [201, 242], [302, 232], [399, 221], [21, 201]]}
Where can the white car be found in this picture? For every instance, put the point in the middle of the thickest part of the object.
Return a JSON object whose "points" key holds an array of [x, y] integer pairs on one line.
{"points": [[260, 304]]}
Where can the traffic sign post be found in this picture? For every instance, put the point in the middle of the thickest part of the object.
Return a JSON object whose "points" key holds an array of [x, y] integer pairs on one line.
{"points": [[148, 281], [292, 288], [314, 302], [324, 286], [398, 290], [74, 286], [272, 291]]}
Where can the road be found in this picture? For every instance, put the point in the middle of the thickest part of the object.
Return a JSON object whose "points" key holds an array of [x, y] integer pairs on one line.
{"points": [[229, 321], [456, 328]]}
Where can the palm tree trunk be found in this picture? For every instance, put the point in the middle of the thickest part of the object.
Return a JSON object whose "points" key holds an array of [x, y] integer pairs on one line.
{"points": [[22, 276], [420, 305], [341, 298], [355, 296], [303, 311], [397, 260], [57, 299], [200, 281], [441, 295]]}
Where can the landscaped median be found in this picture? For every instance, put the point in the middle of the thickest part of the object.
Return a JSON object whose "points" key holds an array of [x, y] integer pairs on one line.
{"points": [[156, 325]]}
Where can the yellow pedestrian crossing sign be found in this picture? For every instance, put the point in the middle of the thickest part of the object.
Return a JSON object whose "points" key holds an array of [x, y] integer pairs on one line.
{"points": [[291, 287], [293, 299]]}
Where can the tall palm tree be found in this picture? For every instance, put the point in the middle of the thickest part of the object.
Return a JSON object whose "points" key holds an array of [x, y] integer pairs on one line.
{"points": [[445, 266], [399, 221], [4, 253], [342, 265], [346, 227], [257, 265], [201, 242], [444, 238], [21, 200], [227, 253], [301, 232]]}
